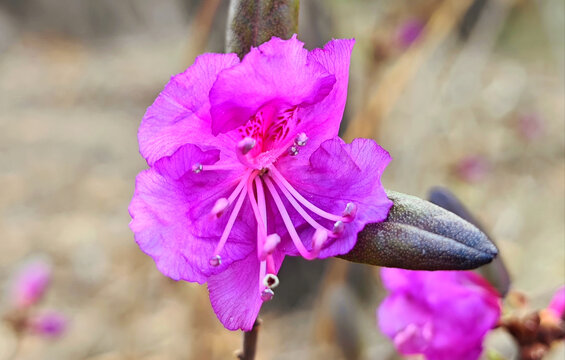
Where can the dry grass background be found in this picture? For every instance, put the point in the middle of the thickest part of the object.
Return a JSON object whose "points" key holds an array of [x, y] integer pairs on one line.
{"points": [[76, 77]]}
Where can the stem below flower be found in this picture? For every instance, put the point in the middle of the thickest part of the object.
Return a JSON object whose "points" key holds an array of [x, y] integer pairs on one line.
{"points": [[250, 342]]}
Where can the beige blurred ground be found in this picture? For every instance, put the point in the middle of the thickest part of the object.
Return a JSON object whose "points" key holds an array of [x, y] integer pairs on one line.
{"points": [[75, 82]]}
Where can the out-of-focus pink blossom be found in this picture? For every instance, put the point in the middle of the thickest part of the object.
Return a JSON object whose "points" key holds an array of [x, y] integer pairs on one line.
{"points": [[473, 168], [530, 126], [443, 315], [557, 303], [30, 283], [408, 32], [49, 324]]}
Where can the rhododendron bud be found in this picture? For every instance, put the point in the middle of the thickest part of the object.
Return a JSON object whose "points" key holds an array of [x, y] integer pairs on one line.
{"points": [[49, 324], [443, 315], [409, 31], [245, 168], [30, 283]]}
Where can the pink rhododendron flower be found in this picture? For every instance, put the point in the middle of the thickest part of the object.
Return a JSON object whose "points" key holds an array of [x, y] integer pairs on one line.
{"points": [[245, 167], [443, 315], [30, 283], [50, 324], [557, 303]]}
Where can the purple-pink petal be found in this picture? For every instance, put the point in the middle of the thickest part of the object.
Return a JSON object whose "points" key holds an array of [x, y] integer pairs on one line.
{"points": [[171, 220], [278, 73], [322, 120], [180, 114], [235, 293], [336, 174]]}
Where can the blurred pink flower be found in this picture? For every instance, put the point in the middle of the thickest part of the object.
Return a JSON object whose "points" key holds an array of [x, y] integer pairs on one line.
{"points": [[443, 315], [30, 283], [409, 31], [473, 168], [530, 126], [557, 303], [49, 324], [246, 168]]}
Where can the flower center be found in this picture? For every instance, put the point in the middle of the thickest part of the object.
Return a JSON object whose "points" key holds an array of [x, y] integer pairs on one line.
{"points": [[261, 176]]}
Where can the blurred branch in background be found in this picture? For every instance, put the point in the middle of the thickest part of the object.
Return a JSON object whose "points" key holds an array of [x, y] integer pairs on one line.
{"points": [[441, 24]]}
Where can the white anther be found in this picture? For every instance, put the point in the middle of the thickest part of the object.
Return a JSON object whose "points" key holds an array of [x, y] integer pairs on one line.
{"points": [[339, 226], [246, 145], [197, 168], [301, 139], [219, 207], [271, 281], [215, 260], [267, 294], [319, 238], [270, 245], [293, 150], [350, 211]]}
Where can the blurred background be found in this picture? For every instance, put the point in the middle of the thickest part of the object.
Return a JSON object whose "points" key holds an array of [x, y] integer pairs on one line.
{"points": [[464, 94]]}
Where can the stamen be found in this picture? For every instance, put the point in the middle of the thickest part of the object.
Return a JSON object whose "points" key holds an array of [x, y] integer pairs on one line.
{"points": [[228, 228], [282, 182], [246, 145], [301, 139], [219, 207], [298, 208], [240, 186], [271, 281], [339, 227], [220, 167], [318, 239], [271, 264], [215, 260], [269, 246], [267, 294], [258, 217], [293, 150], [222, 204], [197, 168], [288, 224], [350, 212], [242, 148]]}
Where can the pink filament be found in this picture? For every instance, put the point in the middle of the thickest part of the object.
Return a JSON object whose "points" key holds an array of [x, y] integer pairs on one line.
{"points": [[215, 167], [239, 186], [263, 211], [261, 227], [299, 209], [282, 182], [231, 221], [260, 211], [288, 223]]}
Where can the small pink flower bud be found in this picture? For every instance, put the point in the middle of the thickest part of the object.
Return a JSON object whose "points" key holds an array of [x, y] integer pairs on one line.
{"points": [[51, 324], [30, 283], [557, 303]]}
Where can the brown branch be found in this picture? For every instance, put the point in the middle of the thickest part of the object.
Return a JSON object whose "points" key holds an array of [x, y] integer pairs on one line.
{"points": [[250, 342]]}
